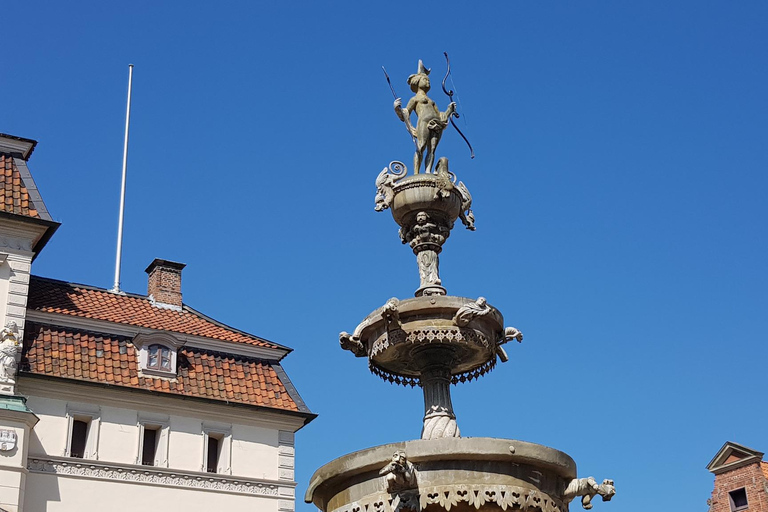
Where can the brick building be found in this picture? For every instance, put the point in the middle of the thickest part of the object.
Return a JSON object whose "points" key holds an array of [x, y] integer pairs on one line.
{"points": [[741, 480], [122, 401]]}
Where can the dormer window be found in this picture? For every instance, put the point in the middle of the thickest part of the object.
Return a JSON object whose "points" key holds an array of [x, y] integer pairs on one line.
{"points": [[159, 358], [157, 353]]}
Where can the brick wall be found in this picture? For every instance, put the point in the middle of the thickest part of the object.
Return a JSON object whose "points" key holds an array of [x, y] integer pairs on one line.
{"points": [[751, 478]]}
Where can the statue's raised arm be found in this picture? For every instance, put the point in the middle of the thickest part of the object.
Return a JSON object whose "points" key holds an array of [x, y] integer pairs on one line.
{"points": [[430, 123]]}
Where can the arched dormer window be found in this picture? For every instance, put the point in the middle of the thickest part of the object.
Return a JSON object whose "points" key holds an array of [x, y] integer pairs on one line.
{"points": [[157, 353], [159, 357]]}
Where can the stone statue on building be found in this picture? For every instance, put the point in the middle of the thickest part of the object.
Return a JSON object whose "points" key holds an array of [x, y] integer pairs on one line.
{"points": [[10, 350], [431, 122]]}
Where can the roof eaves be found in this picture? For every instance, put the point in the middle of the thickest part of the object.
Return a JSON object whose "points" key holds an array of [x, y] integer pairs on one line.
{"points": [[291, 389], [50, 225], [301, 414], [29, 143], [32, 190]]}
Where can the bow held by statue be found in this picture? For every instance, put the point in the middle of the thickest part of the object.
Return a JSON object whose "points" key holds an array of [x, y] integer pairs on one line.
{"points": [[450, 93]]}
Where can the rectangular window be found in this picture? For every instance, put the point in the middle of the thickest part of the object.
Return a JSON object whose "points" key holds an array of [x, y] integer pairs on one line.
{"points": [[79, 438], [82, 431], [738, 499], [217, 448], [153, 432], [213, 453], [149, 446]]}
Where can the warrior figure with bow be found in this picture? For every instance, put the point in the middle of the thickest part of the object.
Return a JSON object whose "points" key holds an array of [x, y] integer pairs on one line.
{"points": [[431, 122]]}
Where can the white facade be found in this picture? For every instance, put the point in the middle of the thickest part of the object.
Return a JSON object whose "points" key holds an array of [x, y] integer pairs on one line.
{"points": [[78, 444], [255, 470]]}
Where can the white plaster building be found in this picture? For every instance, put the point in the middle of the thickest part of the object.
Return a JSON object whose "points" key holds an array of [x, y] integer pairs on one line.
{"points": [[124, 401]]}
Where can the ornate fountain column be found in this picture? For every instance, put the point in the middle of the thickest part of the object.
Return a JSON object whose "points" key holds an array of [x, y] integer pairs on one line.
{"points": [[439, 419]]}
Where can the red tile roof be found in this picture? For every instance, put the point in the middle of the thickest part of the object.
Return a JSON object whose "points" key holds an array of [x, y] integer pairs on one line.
{"points": [[51, 296], [111, 359], [14, 196]]}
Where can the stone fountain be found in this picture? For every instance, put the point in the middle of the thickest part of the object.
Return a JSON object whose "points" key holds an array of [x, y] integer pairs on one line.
{"points": [[434, 340]]}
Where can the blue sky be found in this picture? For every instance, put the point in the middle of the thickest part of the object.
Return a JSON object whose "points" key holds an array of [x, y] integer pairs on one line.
{"points": [[619, 188]]}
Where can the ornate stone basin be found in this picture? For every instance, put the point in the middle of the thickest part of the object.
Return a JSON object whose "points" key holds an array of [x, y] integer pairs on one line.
{"points": [[448, 474], [396, 346], [418, 193]]}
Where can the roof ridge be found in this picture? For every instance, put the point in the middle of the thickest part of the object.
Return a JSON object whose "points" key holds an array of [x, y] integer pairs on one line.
{"points": [[235, 329], [185, 310], [91, 287]]}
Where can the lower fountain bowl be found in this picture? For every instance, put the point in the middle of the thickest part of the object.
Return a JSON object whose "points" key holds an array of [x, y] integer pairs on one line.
{"points": [[460, 474]]}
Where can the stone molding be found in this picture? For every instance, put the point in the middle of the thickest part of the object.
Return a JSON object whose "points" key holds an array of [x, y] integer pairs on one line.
{"points": [[151, 475], [506, 497]]}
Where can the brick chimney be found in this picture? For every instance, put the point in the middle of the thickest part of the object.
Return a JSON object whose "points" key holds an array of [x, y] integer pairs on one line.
{"points": [[164, 284]]}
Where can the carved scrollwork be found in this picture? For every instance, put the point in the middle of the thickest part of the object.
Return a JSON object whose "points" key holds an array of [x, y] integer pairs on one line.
{"points": [[385, 182]]}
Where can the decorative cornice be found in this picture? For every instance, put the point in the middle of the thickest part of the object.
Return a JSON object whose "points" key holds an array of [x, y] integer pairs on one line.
{"points": [[12, 144], [150, 475]]}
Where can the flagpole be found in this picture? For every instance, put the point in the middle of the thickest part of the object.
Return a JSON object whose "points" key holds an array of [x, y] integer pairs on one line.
{"points": [[116, 287]]}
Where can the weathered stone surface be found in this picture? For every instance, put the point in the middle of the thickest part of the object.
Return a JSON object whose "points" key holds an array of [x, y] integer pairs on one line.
{"points": [[427, 322], [462, 473]]}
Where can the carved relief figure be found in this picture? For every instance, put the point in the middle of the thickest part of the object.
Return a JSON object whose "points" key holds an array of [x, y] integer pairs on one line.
{"points": [[391, 315], [431, 122], [469, 312], [9, 352], [399, 473], [444, 179], [466, 215], [429, 270], [587, 488], [512, 333], [424, 231]]}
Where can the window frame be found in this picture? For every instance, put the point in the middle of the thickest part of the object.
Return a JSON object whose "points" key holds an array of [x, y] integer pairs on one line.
{"points": [[161, 424], [164, 354], [143, 342], [223, 434], [90, 415], [734, 507]]}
